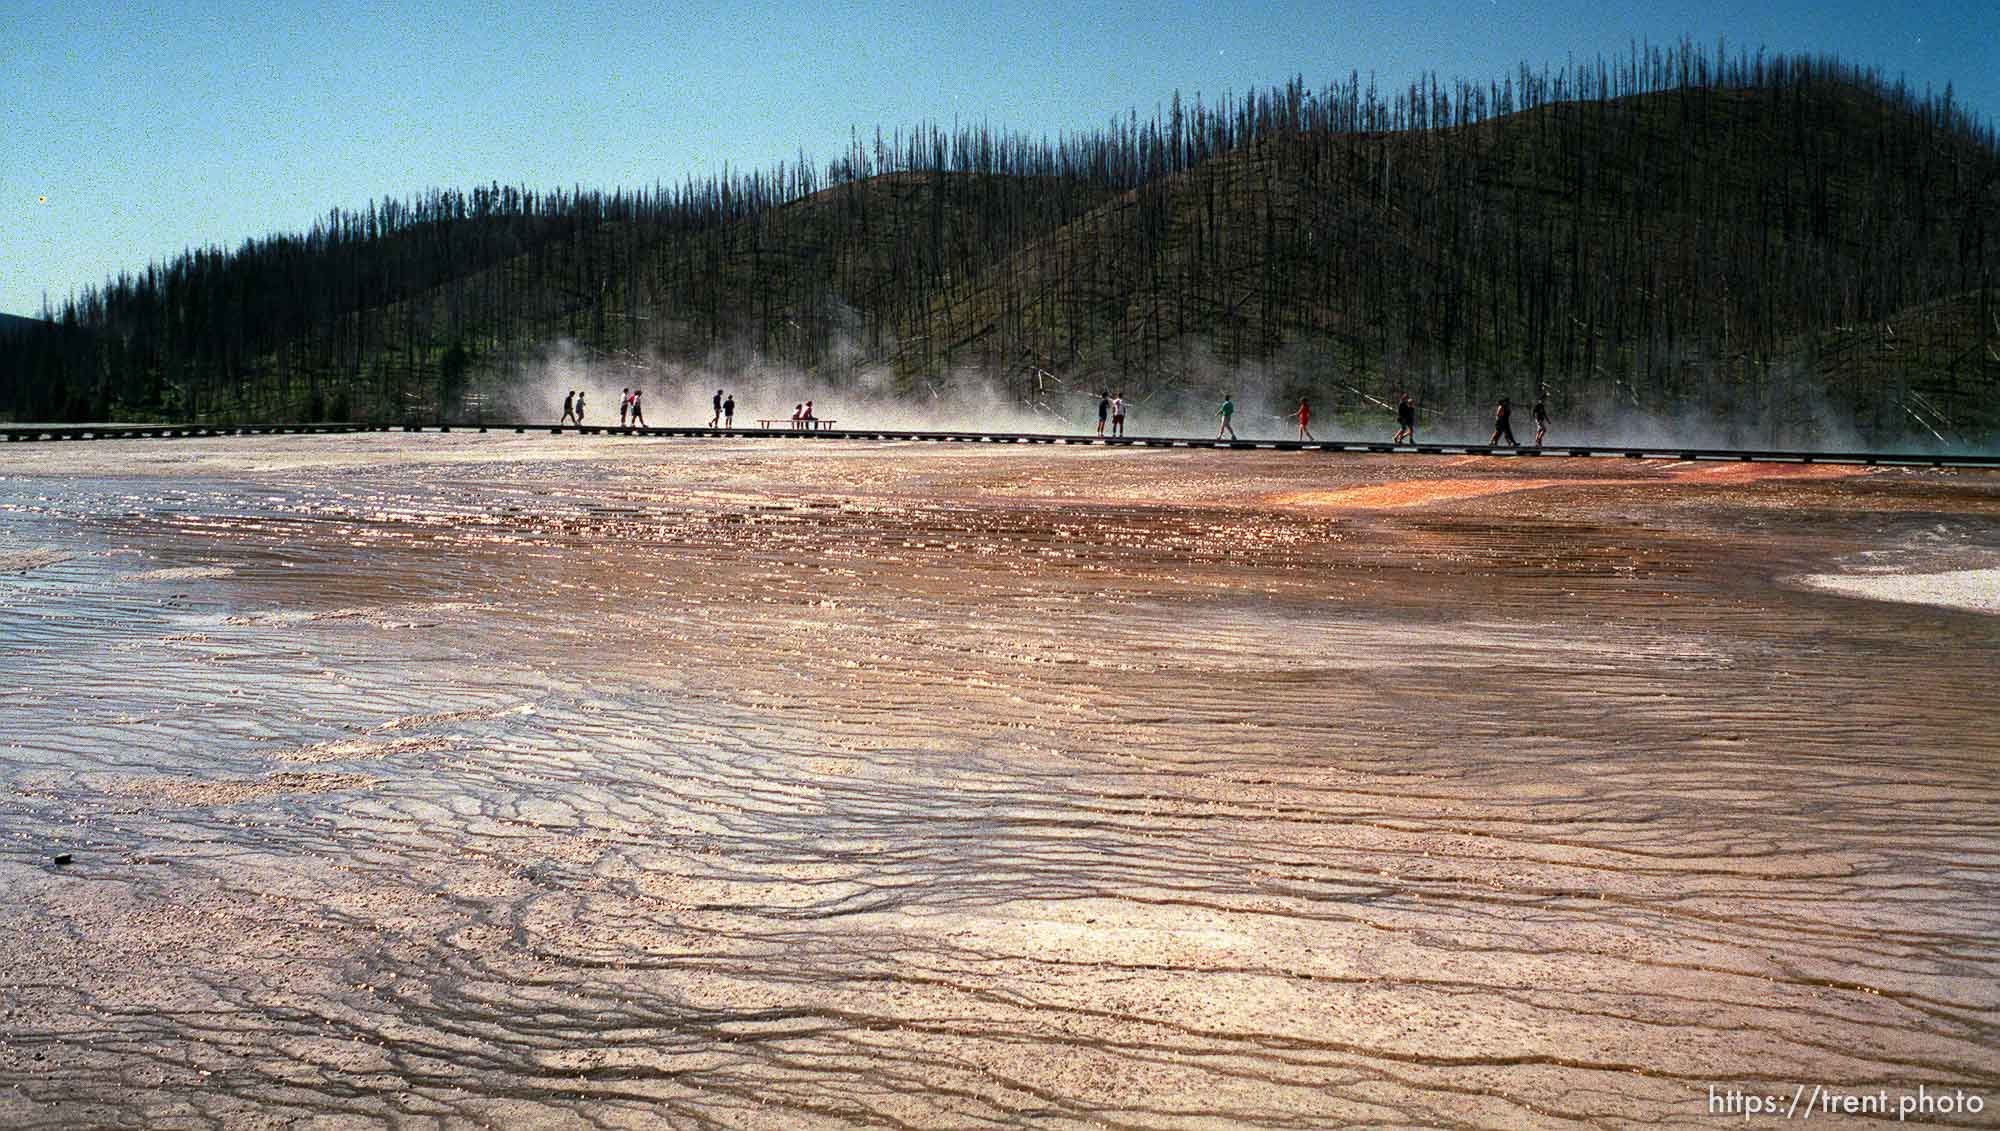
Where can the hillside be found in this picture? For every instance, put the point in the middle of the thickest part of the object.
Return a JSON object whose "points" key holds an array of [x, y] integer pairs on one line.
{"points": [[11, 324], [1759, 256], [1786, 247]]}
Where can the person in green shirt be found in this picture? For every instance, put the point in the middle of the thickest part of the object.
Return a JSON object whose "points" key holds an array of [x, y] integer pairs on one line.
{"points": [[1227, 410]]}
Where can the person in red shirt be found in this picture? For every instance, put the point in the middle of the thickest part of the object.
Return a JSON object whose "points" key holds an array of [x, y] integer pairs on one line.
{"points": [[1305, 414], [1503, 417]]}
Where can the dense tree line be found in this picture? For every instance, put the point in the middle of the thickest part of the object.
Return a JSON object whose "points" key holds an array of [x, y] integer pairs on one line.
{"points": [[1679, 231]]}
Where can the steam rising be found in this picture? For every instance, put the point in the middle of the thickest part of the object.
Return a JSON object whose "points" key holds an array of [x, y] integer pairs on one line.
{"points": [[1184, 403]]}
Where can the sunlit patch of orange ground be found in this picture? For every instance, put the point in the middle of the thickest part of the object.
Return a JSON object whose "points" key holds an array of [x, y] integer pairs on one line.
{"points": [[1742, 472], [1408, 493], [1419, 492]]}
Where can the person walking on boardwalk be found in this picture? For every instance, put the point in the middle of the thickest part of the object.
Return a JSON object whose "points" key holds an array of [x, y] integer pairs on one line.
{"points": [[1406, 421], [1118, 415], [1503, 423], [579, 408], [569, 408], [1541, 418], [1226, 412], [1103, 410], [638, 417], [717, 418], [729, 411], [1305, 415], [624, 406]]}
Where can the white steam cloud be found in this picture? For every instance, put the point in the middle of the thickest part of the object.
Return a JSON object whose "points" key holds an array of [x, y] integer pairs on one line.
{"points": [[1180, 403]]}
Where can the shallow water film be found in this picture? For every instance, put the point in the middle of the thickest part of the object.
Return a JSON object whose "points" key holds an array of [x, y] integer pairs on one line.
{"points": [[459, 780]]}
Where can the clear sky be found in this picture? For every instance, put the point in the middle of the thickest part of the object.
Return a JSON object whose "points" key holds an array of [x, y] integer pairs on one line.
{"points": [[130, 131]]}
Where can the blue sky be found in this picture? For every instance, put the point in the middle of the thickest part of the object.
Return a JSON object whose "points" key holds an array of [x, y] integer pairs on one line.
{"points": [[151, 128]]}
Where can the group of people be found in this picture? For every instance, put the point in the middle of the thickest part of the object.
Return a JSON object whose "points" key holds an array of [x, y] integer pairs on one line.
{"points": [[1112, 408], [632, 415], [629, 411], [1406, 420], [1227, 415], [725, 410], [1503, 421]]}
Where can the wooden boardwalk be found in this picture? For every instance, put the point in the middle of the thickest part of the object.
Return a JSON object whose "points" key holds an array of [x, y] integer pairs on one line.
{"points": [[52, 433]]}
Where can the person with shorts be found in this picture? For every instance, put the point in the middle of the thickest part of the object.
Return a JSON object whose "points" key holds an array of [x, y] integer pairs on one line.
{"points": [[638, 417], [1226, 412], [1541, 418], [569, 409], [1503, 425], [1103, 410], [1305, 415], [729, 411], [1406, 421], [1118, 415]]}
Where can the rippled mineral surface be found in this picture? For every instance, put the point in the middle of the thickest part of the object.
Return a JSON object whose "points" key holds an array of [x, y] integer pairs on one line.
{"points": [[458, 780]]}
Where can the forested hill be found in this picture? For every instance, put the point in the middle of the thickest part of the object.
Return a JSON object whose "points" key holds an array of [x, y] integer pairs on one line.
{"points": [[1788, 245], [15, 324]]}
